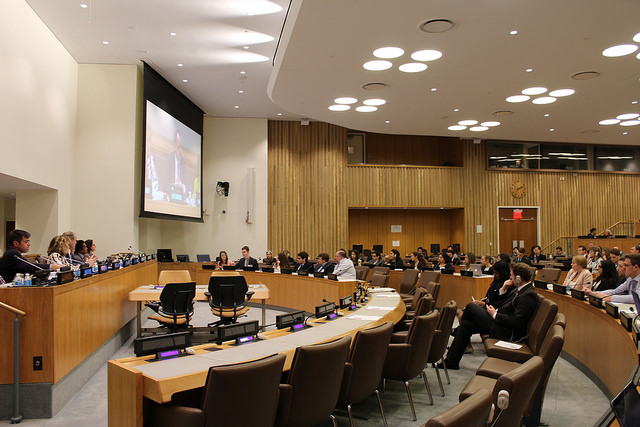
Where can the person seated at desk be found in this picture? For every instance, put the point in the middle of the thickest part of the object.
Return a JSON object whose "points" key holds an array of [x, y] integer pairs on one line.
{"points": [[622, 294], [58, 251], [74, 259], [286, 252], [354, 256], [324, 266], [582, 251], [608, 278], [223, 259], [282, 262], [455, 259], [594, 258], [417, 261], [592, 233], [504, 257], [536, 254], [508, 322], [303, 265], [12, 261], [376, 260], [395, 260], [468, 259], [344, 267], [521, 256], [444, 265], [91, 249], [486, 266], [269, 259], [559, 253], [246, 260], [579, 277]]}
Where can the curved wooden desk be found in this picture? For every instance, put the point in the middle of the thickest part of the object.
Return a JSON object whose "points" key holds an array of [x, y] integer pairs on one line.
{"points": [[131, 379]]}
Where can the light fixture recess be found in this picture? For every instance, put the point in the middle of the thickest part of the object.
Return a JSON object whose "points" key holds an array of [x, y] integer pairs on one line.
{"points": [[619, 50], [374, 101], [441, 25], [585, 75], [412, 67], [544, 100], [377, 65], [374, 86], [345, 100], [366, 109], [561, 92], [426, 55], [534, 90], [518, 98], [388, 52], [339, 107]]}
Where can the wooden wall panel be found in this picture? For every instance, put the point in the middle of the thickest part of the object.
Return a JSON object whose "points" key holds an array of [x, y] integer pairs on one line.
{"points": [[314, 157]]}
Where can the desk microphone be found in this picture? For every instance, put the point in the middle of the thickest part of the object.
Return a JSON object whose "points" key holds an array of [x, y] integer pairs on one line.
{"points": [[30, 263], [335, 306]]}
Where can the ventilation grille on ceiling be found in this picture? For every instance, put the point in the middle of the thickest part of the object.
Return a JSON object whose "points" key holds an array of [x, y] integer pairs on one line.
{"points": [[501, 113], [437, 26], [585, 75], [374, 86]]}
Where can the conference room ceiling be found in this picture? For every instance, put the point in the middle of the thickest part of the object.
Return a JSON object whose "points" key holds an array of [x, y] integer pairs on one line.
{"points": [[228, 46]]}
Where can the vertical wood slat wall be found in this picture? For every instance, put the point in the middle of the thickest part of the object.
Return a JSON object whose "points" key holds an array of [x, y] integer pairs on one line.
{"points": [[314, 158]]}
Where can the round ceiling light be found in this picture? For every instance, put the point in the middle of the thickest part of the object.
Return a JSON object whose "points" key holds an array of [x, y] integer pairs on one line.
{"points": [[636, 38], [619, 50], [377, 65], [374, 101], [437, 25], [544, 100], [607, 122], [490, 124], [478, 129], [534, 91], [457, 127], [561, 92], [518, 98], [339, 107], [412, 67], [366, 108], [468, 122], [628, 116], [426, 55], [388, 52], [630, 123], [345, 100]]}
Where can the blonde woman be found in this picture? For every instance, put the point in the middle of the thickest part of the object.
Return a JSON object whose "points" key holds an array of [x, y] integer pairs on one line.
{"points": [[58, 250], [579, 277]]}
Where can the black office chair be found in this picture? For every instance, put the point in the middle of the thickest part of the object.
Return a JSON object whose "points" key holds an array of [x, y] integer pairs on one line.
{"points": [[228, 298], [175, 307]]}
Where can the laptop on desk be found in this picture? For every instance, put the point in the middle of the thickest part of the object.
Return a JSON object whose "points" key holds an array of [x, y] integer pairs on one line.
{"points": [[477, 269]]}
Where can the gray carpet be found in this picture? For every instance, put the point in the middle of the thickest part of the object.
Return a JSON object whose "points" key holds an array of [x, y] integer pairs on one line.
{"points": [[571, 399]]}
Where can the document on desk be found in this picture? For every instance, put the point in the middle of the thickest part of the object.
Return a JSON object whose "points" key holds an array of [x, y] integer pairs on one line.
{"points": [[509, 345], [363, 317], [378, 307]]}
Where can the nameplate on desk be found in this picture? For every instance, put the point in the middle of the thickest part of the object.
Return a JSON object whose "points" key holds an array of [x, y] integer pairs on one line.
{"points": [[559, 289], [577, 294], [595, 301], [612, 309], [626, 319]]}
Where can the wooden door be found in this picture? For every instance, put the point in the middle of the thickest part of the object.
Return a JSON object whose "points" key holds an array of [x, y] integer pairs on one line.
{"points": [[523, 231]]}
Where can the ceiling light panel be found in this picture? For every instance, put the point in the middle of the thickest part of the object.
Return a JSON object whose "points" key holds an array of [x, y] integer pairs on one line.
{"points": [[426, 55], [377, 65], [345, 100], [619, 50], [561, 92], [374, 101], [388, 52], [457, 127], [478, 129], [468, 122], [518, 98], [627, 116], [630, 123], [339, 107], [544, 100], [366, 109], [534, 90], [412, 67]]}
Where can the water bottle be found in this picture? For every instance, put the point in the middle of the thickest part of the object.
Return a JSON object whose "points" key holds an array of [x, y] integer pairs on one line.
{"points": [[94, 269], [18, 280], [27, 279], [76, 273]]}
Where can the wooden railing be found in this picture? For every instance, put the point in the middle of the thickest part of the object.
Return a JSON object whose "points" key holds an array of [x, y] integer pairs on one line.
{"points": [[12, 309], [16, 418], [631, 231]]}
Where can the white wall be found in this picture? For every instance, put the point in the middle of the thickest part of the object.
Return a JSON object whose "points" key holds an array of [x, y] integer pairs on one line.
{"points": [[37, 110], [231, 147]]}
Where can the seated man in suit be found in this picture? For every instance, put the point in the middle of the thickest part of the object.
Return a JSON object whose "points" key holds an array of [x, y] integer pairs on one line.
{"points": [[521, 257], [622, 294], [376, 260], [324, 266], [303, 264], [344, 269], [246, 260], [509, 322], [12, 261]]}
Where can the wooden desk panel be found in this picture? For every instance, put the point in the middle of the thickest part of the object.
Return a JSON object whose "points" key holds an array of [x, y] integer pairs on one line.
{"points": [[461, 288], [623, 244], [65, 324]]}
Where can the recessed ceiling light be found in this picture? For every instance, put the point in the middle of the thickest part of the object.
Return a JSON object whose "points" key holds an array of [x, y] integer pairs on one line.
{"points": [[528, 70], [185, 80], [433, 89], [105, 42], [625, 133], [387, 121], [551, 130], [490, 124], [366, 108], [279, 114], [426, 55], [478, 129], [236, 106], [544, 100], [630, 123], [627, 116], [83, 5], [456, 109], [172, 34], [634, 102], [377, 65], [534, 90], [513, 32], [609, 122], [243, 72], [245, 47], [619, 50], [547, 115], [561, 92], [339, 107], [468, 122], [412, 67], [240, 91], [374, 101], [636, 38], [345, 100], [518, 98], [388, 52], [457, 127], [179, 65]]}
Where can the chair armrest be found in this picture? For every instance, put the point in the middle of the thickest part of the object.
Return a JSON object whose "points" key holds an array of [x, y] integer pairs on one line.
{"points": [[155, 305], [249, 295], [207, 294], [169, 415], [284, 405], [396, 360]]}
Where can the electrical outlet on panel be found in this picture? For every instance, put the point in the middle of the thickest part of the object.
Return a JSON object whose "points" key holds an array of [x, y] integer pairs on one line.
{"points": [[37, 363]]}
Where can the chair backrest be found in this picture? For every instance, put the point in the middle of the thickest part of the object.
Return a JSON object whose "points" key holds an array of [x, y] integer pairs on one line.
{"points": [[380, 270], [540, 323], [434, 289], [409, 280], [424, 306], [521, 383], [416, 297], [257, 382], [225, 273], [363, 368], [311, 392], [228, 291], [550, 351], [443, 331], [419, 337], [472, 412], [361, 272], [429, 276], [549, 275], [174, 276], [177, 298], [379, 280]]}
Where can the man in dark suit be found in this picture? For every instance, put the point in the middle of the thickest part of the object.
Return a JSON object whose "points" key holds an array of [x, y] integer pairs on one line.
{"points": [[324, 266], [509, 322], [522, 257], [246, 260], [376, 261], [12, 262], [302, 263]]}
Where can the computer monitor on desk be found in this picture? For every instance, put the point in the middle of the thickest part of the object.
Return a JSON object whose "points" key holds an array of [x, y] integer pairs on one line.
{"points": [[165, 255]]}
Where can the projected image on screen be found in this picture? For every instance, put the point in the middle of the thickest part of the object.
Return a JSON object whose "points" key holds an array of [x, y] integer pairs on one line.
{"points": [[172, 183]]}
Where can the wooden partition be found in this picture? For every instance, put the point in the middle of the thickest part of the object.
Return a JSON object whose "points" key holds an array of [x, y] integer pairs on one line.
{"points": [[65, 324], [623, 244]]}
